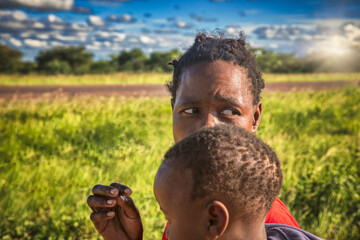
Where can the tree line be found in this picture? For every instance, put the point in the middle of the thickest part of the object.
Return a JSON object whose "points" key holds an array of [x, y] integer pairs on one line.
{"points": [[76, 60]]}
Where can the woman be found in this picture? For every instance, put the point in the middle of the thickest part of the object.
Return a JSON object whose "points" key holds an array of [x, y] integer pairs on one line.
{"points": [[217, 81]]}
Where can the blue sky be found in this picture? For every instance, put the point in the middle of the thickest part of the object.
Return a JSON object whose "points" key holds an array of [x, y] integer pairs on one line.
{"points": [[106, 27]]}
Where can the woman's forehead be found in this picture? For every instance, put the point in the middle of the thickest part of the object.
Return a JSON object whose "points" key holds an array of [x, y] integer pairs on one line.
{"points": [[218, 74], [218, 80]]}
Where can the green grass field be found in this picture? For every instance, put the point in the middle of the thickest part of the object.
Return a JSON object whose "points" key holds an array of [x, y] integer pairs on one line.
{"points": [[156, 78], [52, 151]]}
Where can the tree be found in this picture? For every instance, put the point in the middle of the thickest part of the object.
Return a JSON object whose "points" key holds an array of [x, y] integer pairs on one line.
{"points": [[10, 59], [27, 67], [158, 61], [272, 62], [133, 60], [76, 57], [56, 66], [103, 66]]}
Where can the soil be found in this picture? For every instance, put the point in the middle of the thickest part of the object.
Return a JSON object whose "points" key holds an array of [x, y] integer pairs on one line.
{"points": [[149, 90]]}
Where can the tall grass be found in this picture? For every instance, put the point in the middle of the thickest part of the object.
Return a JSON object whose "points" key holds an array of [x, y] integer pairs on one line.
{"points": [[155, 78], [317, 138], [52, 151]]}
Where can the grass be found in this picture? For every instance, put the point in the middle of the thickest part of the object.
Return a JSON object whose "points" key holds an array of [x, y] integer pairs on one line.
{"points": [[52, 151], [156, 78]]}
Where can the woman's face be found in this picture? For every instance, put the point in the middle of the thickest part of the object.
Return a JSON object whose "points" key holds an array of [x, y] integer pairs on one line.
{"points": [[214, 93]]}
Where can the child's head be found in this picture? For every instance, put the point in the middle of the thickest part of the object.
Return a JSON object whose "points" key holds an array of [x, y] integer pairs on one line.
{"points": [[216, 179]]}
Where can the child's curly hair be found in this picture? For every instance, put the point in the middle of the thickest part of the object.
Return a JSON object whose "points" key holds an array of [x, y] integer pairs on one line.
{"points": [[228, 162]]}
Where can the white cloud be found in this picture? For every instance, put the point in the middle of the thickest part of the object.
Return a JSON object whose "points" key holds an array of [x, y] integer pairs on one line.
{"points": [[70, 38], [146, 40], [125, 18], [98, 44], [51, 18], [95, 21], [43, 36], [336, 45], [79, 26], [107, 44], [352, 32], [132, 40], [182, 24], [56, 44], [35, 43], [110, 36], [12, 25], [54, 5], [273, 45], [231, 30], [15, 42], [13, 15], [278, 32], [102, 34], [26, 34], [13, 19], [119, 37], [38, 25], [5, 35]]}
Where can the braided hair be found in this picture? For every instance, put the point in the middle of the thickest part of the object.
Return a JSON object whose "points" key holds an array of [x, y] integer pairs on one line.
{"points": [[211, 49]]}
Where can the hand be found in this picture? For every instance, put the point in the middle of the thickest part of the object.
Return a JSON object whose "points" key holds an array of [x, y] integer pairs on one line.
{"points": [[115, 215]]}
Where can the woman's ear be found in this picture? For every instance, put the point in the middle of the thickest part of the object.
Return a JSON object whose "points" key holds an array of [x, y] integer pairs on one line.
{"points": [[256, 117], [217, 216]]}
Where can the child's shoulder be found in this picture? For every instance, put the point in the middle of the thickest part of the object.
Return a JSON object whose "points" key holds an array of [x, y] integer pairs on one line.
{"points": [[285, 232]]}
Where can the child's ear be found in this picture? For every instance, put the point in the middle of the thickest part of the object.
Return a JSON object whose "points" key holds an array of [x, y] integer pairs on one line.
{"points": [[218, 219]]}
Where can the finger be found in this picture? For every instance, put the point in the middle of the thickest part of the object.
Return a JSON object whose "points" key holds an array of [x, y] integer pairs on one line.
{"points": [[123, 190], [128, 206], [101, 216], [106, 191], [100, 202]]}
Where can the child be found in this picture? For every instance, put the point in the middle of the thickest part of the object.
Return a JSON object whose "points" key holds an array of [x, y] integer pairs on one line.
{"points": [[222, 182]]}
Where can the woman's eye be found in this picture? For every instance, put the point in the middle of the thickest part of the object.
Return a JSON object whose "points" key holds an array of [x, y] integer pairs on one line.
{"points": [[230, 112], [191, 111]]}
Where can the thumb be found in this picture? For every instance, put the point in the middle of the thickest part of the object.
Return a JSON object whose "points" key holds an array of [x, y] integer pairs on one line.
{"points": [[128, 205]]}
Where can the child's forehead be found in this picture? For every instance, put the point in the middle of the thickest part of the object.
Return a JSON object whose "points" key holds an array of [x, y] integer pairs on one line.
{"points": [[172, 179]]}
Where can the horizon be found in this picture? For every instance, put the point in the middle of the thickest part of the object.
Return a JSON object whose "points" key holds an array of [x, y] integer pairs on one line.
{"points": [[107, 27]]}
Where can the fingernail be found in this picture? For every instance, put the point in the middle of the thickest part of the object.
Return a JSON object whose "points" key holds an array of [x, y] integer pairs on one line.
{"points": [[127, 191], [109, 202], [110, 214], [113, 191]]}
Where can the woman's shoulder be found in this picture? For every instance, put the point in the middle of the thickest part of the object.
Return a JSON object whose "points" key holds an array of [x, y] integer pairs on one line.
{"points": [[280, 214], [285, 232]]}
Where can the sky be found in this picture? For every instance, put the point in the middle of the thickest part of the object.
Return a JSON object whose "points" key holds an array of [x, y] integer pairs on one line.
{"points": [[107, 27]]}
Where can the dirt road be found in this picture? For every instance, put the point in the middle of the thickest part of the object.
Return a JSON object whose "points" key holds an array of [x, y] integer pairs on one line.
{"points": [[155, 90]]}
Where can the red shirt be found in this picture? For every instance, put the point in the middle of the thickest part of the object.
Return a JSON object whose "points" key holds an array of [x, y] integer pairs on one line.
{"points": [[277, 214]]}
